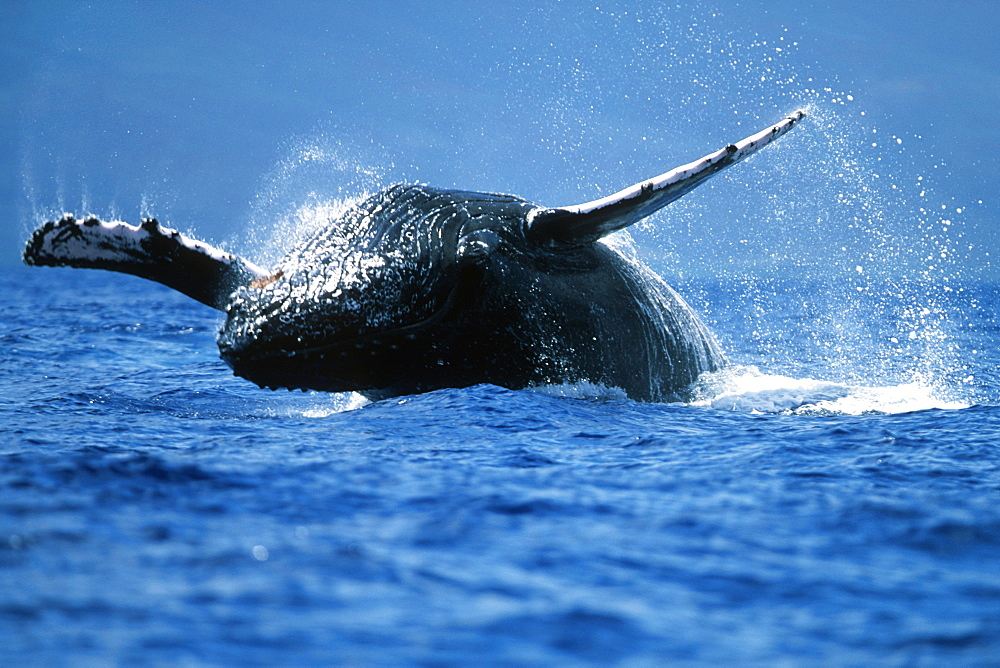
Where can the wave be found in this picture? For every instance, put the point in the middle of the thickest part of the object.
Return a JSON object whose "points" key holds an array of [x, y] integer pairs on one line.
{"points": [[581, 390], [746, 389], [743, 389]]}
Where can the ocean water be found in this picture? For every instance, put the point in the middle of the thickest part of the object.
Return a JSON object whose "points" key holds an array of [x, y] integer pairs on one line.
{"points": [[816, 504]]}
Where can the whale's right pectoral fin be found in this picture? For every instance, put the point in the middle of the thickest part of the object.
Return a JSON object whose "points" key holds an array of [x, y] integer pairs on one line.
{"points": [[585, 223], [151, 251]]}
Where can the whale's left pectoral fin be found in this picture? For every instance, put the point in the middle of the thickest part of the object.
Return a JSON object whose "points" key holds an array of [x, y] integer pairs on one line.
{"points": [[585, 223], [148, 250]]}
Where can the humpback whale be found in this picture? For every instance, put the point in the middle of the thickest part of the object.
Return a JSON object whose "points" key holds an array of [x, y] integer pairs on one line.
{"points": [[417, 288]]}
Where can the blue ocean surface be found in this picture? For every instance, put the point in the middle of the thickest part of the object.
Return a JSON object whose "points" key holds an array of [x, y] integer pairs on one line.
{"points": [[157, 509]]}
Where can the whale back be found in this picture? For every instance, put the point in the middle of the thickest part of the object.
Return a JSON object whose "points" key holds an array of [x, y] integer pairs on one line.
{"points": [[583, 313]]}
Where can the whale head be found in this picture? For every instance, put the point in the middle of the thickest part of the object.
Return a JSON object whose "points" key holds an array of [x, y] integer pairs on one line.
{"points": [[357, 304]]}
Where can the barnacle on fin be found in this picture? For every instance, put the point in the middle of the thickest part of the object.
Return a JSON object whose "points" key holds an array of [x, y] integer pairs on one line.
{"points": [[267, 280]]}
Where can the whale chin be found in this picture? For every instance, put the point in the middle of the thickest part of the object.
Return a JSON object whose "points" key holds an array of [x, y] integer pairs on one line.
{"points": [[370, 365], [338, 367]]}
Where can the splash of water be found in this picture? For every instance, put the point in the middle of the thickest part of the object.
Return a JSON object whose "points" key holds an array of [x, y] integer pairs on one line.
{"points": [[837, 216], [321, 176]]}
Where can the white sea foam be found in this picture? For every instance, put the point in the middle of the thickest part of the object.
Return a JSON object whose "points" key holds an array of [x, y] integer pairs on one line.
{"points": [[314, 404], [335, 403], [746, 389]]}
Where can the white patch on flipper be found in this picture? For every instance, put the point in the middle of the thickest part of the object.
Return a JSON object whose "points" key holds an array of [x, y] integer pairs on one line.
{"points": [[94, 240]]}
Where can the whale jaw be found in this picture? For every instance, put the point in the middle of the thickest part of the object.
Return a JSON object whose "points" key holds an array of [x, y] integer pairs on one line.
{"points": [[359, 366]]}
